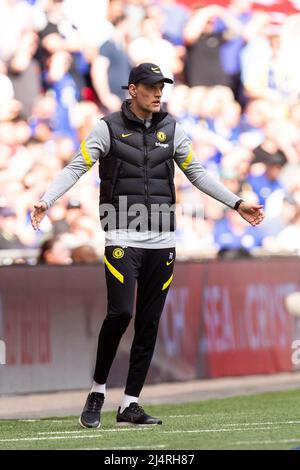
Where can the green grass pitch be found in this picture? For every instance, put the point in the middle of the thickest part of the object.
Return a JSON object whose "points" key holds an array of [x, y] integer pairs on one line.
{"points": [[262, 421]]}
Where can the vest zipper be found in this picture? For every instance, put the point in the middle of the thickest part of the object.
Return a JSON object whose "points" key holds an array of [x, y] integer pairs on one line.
{"points": [[145, 168]]}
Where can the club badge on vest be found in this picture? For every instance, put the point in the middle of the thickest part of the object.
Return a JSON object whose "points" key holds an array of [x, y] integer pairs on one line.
{"points": [[161, 136]]}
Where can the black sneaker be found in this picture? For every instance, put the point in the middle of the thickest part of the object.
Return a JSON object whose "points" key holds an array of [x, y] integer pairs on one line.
{"points": [[91, 414], [134, 414]]}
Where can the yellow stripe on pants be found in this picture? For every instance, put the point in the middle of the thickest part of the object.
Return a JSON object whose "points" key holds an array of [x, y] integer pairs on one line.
{"points": [[114, 271], [166, 284]]}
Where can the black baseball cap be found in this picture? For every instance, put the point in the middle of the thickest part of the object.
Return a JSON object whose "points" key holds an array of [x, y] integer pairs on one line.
{"points": [[146, 73]]}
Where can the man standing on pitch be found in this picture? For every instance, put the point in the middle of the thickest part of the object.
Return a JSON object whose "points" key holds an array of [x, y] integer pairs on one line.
{"points": [[136, 149]]}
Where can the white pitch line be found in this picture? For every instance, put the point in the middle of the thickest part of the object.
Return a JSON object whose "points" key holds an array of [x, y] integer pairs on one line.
{"points": [[48, 438], [97, 431], [276, 441], [161, 446], [95, 435], [41, 420], [27, 420], [254, 427], [239, 424], [268, 423], [220, 430], [58, 435]]}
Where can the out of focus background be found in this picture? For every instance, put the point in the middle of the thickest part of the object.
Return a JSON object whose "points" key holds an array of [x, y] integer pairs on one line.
{"points": [[236, 91]]}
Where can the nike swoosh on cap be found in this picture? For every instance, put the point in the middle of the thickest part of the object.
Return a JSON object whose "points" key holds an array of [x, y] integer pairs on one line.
{"points": [[126, 135]]}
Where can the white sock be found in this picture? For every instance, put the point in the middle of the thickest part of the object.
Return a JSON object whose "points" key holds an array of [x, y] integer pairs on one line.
{"points": [[98, 388], [127, 399]]}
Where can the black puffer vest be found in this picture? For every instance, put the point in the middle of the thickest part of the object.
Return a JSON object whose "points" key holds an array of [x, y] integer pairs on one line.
{"points": [[139, 171]]}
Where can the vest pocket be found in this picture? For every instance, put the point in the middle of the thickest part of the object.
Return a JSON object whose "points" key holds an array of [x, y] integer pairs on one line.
{"points": [[114, 179], [170, 170]]}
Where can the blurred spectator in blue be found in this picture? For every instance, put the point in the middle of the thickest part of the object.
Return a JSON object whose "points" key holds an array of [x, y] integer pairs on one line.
{"points": [[256, 114], [175, 18], [66, 93], [42, 120], [267, 182], [58, 35], [232, 47], [262, 72], [227, 123], [112, 66], [232, 233]]}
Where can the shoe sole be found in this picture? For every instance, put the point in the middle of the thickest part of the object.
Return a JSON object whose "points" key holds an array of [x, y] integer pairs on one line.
{"points": [[88, 427]]}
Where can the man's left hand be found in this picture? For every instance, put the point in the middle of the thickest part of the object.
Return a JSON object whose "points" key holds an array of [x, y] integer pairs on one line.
{"points": [[253, 213]]}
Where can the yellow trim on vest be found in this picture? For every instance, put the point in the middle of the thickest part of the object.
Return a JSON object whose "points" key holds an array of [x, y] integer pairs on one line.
{"points": [[86, 155], [166, 284], [114, 271], [188, 159]]}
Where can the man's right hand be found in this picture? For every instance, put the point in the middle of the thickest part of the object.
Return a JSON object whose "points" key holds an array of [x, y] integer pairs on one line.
{"points": [[37, 214]]}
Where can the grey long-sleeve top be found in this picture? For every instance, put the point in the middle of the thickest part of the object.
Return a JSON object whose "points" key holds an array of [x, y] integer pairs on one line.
{"points": [[96, 146]]}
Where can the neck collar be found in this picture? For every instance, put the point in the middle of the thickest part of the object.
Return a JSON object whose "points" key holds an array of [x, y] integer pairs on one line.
{"points": [[126, 111]]}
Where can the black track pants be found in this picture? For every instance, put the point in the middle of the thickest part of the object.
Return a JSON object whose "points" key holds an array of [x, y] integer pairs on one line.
{"points": [[153, 271]]}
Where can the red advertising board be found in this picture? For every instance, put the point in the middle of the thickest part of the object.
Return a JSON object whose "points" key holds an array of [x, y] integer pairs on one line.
{"points": [[221, 318], [283, 6], [234, 321]]}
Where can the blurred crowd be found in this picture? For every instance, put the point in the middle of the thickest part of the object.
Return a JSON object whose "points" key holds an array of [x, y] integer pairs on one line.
{"points": [[236, 92]]}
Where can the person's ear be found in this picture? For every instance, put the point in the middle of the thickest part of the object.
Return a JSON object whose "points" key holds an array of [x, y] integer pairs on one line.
{"points": [[132, 90]]}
